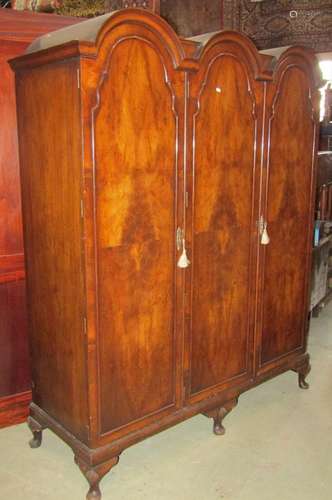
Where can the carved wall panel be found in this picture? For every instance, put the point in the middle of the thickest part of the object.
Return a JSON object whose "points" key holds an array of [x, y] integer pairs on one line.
{"points": [[125, 4], [282, 22]]}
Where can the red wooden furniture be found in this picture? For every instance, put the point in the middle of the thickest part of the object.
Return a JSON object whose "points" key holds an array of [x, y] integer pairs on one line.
{"points": [[168, 228], [17, 30]]}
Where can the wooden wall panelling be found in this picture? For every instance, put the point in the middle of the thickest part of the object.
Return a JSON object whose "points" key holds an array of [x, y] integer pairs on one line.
{"points": [[26, 26], [10, 232], [17, 30], [14, 349], [14, 409], [14, 358]]}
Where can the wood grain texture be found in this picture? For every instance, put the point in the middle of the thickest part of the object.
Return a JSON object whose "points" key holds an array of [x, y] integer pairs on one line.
{"points": [[136, 206], [14, 359], [14, 356], [12, 268], [226, 113], [146, 151], [10, 202], [14, 409], [223, 192], [288, 213], [51, 204], [25, 26], [17, 30], [155, 135], [95, 474]]}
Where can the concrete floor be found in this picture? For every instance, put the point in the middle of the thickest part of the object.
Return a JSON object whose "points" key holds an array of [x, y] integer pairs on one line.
{"points": [[278, 445]]}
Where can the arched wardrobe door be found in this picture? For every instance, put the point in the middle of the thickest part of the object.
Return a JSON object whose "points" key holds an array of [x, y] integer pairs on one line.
{"points": [[291, 125], [225, 117], [134, 113]]}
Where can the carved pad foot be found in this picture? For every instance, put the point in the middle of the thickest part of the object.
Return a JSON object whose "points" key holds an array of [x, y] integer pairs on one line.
{"points": [[218, 416], [37, 432], [94, 474], [303, 371], [303, 384], [218, 428]]}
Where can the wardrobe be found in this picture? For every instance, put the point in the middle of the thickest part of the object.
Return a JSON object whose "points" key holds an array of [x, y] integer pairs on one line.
{"points": [[168, 195]]}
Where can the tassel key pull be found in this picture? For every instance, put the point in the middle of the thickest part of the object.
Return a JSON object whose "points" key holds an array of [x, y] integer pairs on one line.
{"points": [[265, 238], [183, 261]]}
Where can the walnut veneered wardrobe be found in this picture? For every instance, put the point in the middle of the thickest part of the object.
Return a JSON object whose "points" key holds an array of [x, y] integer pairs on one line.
{"points": [[168, 194]]}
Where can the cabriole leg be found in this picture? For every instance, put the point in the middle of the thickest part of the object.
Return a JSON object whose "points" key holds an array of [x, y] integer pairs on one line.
{"points": [[218, 415], [94, 474], [37, 431], [303, 371]]}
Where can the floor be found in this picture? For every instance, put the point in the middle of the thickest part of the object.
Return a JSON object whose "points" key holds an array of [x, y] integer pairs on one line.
{"points": [[278, 445]]}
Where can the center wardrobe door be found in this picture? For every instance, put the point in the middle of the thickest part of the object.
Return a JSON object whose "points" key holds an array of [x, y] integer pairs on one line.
{"points": [[222, 223], [136, 138]]}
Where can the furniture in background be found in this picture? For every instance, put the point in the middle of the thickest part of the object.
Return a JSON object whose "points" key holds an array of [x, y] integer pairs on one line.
{"points": [[84, 8], [327, 104], [36, 5], [321, 288], [17, 30], [325, 137], [164, 280]]}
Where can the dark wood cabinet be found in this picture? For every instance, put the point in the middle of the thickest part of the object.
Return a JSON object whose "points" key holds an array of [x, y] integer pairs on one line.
{"points": [[163, 227], [321, 279], [17, 30]]}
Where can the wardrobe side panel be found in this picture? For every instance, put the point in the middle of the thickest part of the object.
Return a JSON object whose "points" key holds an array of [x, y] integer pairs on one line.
{"points": [[135, 144], [50, 162], [224, 138], [288, 214]]}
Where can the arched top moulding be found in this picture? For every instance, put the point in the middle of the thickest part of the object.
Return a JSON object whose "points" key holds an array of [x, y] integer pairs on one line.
{"points": [[302, 57], [86, 38]]}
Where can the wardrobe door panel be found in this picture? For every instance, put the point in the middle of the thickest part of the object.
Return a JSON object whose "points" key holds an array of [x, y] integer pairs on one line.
{"points": [[136, 206], [224, 132], [288, 214]]}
